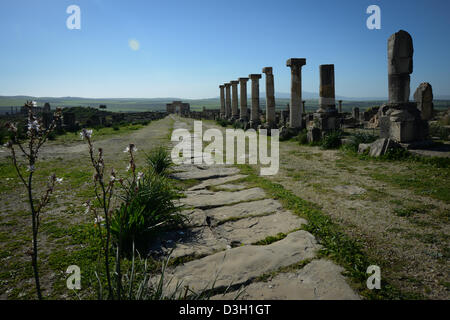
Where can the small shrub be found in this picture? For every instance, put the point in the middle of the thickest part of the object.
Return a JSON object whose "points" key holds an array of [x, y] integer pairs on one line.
{"points": [[147, 209], [332, 140], [159, 160], [238, 125], [302, 137], [359, 138], [116, 128], [222, 122]]}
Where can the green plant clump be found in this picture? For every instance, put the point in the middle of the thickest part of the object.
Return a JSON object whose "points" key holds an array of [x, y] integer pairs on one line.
{"points": [[147, 209]]}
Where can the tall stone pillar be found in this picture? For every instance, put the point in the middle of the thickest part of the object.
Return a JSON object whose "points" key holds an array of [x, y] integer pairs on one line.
{"points": [[327, 101], [340, 106], [234, 100], [303, 106], [254, 115], [400, 66], [270, 97], [222, 101], [296, 110], [227, 100], [401, 120], [243, 87]]}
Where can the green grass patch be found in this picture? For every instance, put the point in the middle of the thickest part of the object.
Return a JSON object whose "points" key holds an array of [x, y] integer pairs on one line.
{"points": [[336, 244]]}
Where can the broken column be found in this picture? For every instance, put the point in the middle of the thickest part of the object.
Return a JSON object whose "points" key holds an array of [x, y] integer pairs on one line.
{"points": [[295, 112], [340, 106], [400, 120], [400, 66], [234, 100], [325, 118], [243, 87], [355, 113], [254, 115], [327, 101], [270, 98], [222, 101], [424, 100], [227, 100]]}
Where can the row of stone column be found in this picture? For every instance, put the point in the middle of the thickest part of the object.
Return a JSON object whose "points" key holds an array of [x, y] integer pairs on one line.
{"points": [[229, 98]]}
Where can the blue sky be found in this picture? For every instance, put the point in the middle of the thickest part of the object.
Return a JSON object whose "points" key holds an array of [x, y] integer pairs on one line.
{"points": [[187, 48]]}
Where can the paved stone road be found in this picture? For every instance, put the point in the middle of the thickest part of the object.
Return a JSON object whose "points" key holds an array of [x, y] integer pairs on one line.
{"points": [[225, 224]]}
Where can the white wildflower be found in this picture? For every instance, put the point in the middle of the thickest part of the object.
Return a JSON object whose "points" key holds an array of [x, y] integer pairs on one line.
{"points": [[127, 149], [31, 168], [59, 180], [85, 134], [34, 103], [140, 175], [128, 167], [34, 126]]}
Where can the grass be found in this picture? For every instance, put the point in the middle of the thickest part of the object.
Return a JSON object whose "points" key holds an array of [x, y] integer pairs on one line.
{"points": [[100, 133], [424, 180], [336, 244], [424, 176]]}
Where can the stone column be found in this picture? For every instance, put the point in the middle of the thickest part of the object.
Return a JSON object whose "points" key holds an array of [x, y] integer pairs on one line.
{"points": [[303, 106], [400, 66], [340, 106], [296, 110], [243, 86], [327, 101], [227, 100], [424, 100], [355, 113], [222, 101], [254, 115], [234, 100], [270, 97]]}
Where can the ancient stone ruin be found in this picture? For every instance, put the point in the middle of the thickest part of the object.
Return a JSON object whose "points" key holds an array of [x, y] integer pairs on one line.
{"points": [[178, 107], [401, 120], [424, 100]]}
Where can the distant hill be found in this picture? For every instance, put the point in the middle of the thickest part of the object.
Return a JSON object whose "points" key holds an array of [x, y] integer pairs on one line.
{"points": [[159, 104]]}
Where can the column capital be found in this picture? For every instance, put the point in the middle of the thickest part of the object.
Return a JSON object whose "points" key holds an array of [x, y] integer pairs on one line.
{"points": [[234, 82], [227, 85], [255, 76], [267, 70], [295, 62], [243, 79], [222, 86]]}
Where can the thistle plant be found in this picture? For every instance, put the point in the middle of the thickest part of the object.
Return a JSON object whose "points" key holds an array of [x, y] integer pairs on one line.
{"points": [[37, 135]]}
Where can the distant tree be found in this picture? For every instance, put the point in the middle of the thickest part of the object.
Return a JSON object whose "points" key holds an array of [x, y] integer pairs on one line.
{"points": [[102, 106]]}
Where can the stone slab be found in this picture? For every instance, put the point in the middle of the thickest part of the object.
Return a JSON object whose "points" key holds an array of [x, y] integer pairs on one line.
{"points": [[239, 265], [252, 208], [318, 280], [216, 182], [210, 173], [251, 230], [221, 198]]}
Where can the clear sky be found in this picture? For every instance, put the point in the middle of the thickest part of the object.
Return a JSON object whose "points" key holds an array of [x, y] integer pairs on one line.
{"points": [[186, 48]]}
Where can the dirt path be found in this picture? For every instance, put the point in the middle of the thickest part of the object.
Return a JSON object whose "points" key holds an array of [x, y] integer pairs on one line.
{"points": [[228, 221]]}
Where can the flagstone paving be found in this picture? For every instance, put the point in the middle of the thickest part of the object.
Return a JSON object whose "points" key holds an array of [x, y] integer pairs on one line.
{"points": [[220, 243]]}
